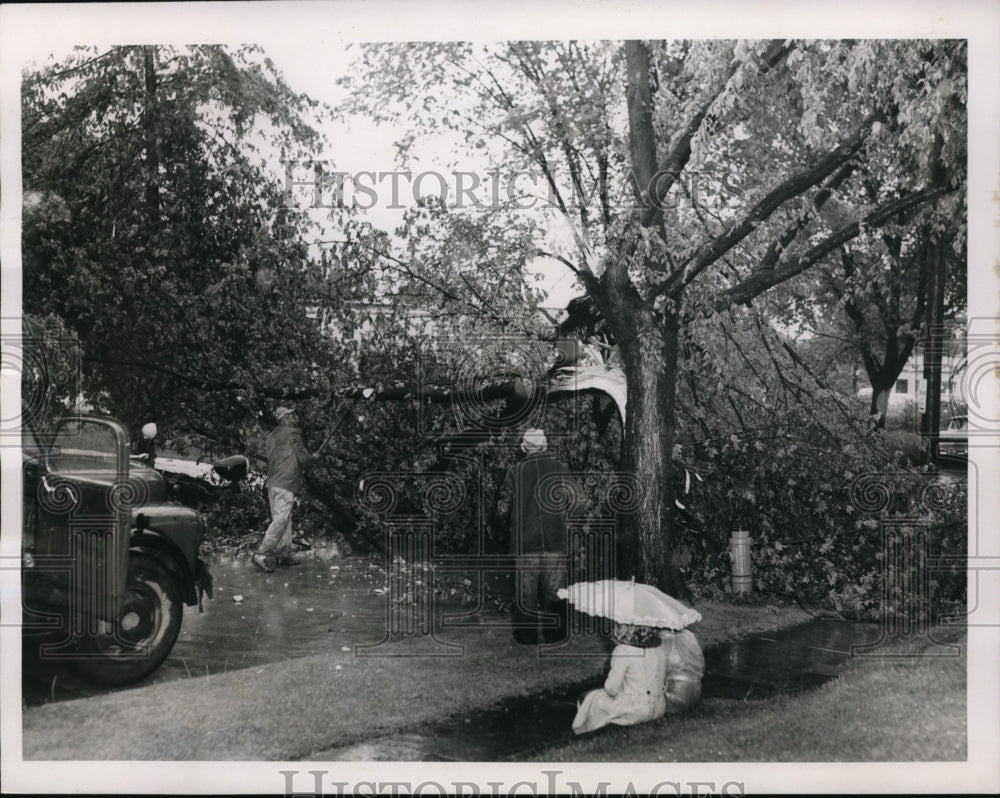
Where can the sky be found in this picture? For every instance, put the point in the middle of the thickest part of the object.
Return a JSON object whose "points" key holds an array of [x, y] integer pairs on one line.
{"points": [[313, 65], [358, 145]]}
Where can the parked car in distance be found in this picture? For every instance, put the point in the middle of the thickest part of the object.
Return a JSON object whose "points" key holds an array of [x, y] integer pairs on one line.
{"points": [[108, 561], [954, 440]]}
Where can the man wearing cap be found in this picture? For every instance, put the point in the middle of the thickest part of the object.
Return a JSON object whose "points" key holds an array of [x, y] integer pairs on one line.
{"points": [[145, 447], [537, 492], [286, 456]]}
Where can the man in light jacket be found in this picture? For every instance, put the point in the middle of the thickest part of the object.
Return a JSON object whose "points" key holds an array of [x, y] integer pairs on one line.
{"points": [[537, 493], [286, 457]]}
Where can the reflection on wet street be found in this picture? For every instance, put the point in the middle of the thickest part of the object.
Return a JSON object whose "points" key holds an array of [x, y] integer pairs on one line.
{"points": [[516, 726], [784, 661], [255, 618]]}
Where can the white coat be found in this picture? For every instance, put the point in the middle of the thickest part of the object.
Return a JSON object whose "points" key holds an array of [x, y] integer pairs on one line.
{"points": [[632, 693]]}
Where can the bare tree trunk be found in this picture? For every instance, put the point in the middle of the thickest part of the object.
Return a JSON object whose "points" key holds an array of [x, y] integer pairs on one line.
{"points": [[151, 131], [880, 403], [642, 144], [932, 359], [649, 347]]}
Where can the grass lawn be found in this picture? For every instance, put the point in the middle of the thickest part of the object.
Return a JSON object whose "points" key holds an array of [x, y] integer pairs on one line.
{"points": [[290, 709], [909, 708]]}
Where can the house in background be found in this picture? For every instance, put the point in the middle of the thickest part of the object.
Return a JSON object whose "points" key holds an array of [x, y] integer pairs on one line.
{"points": [[911, 385]]}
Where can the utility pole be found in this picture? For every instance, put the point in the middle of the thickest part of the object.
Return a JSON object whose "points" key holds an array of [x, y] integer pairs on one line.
{"points": [[934, 352]]}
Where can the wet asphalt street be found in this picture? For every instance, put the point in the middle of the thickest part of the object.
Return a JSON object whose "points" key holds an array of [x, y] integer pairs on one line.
{"points": [[253, 619]]}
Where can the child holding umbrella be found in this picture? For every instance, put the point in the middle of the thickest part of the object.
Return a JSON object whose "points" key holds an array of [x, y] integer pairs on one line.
{"points": [[657, 664]]}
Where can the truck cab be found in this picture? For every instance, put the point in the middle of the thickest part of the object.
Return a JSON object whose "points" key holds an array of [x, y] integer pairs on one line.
{"points": [[108, 561]]}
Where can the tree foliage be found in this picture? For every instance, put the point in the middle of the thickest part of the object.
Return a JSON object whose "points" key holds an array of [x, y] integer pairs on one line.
{"points": [[693, 177], [160, 236], [157, 229], [703, 193]]}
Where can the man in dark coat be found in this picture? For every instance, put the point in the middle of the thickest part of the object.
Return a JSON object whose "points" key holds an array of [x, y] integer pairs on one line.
{"points": [[536, 493], [286, 456]]}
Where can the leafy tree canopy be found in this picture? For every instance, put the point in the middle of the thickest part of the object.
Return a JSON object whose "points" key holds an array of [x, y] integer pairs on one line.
{"points": [[155, 226], [694, 177]]}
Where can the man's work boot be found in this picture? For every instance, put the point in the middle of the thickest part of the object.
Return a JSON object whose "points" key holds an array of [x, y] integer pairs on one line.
{"points": [[262, 563]]}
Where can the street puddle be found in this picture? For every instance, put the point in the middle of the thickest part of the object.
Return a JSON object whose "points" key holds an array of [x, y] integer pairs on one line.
{"points": [[254, 619], [514, 727], [784, 661], [758, 667]]}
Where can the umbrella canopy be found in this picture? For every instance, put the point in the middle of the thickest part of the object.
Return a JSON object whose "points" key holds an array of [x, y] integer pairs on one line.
{"points": [[631, 603]]}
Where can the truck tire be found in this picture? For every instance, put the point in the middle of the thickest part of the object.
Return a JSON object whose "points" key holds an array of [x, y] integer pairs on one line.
{"points": [[146, 628]]}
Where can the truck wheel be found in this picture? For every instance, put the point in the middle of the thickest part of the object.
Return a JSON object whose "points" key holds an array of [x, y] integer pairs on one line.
{"points": [[146, 628]]}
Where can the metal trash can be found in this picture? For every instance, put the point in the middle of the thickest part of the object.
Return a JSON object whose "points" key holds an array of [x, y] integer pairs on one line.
{"points": [[739, 553]]}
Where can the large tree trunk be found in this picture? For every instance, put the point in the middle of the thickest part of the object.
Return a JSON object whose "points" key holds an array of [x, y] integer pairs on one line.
{"points": [[648, 346], [880, 403], [882, 375], [645, 533]]}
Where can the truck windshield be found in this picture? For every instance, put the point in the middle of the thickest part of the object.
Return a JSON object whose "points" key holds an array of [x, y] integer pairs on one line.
{"points": [[85, 437], [31, 447]]}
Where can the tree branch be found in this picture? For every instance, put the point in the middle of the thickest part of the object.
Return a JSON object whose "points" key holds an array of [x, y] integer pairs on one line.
{"points": [[563, 260], [798, 184], [205, 383], [113, 51], [782, 243], [760, 281], [668, 172], [456, 395]]}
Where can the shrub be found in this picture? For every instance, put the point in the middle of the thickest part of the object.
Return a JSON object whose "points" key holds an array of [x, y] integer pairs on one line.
{"points": [[905, 446], [825, 517], [903, 416], [238, 518]]}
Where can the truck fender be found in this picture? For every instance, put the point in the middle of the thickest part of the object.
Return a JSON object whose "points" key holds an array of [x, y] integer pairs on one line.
{"points": [[150, 541]]}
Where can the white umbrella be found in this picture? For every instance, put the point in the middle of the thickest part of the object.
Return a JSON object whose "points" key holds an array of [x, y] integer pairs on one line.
{"points": [[630, 603]]}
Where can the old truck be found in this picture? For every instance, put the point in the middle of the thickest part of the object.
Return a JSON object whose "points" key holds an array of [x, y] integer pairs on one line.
{"points": [[108, 561]]}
